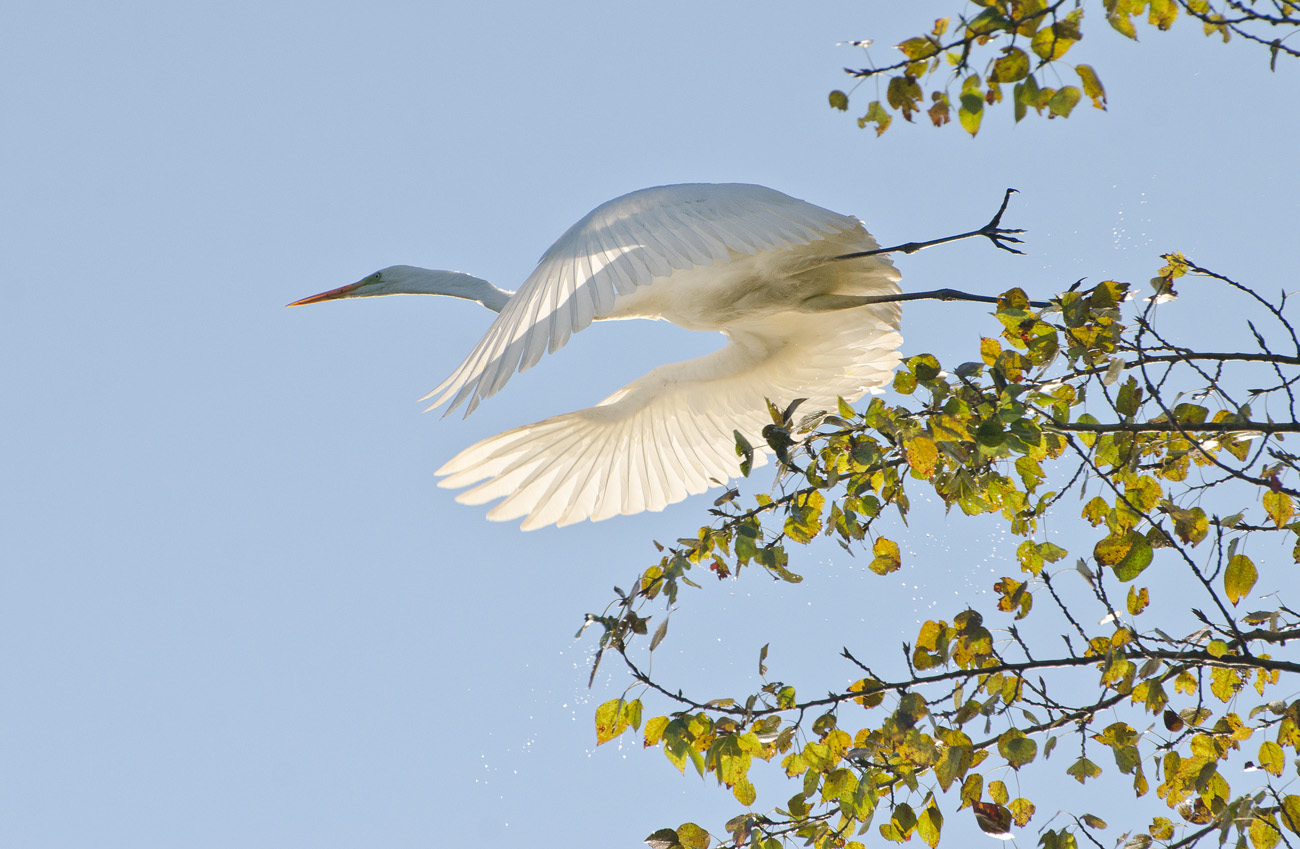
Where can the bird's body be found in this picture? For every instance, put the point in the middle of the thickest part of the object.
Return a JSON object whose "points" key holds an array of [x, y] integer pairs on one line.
{"points": [[759, 266]]}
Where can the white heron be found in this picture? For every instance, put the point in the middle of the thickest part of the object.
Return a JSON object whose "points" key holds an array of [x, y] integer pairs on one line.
{"points": [[767, 270]]}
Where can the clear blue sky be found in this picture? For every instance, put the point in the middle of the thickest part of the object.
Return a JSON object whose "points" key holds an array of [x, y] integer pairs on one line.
{"points": [[235, 610]]}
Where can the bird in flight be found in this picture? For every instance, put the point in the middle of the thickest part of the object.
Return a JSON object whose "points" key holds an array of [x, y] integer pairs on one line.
{"points": [[785, 281]]}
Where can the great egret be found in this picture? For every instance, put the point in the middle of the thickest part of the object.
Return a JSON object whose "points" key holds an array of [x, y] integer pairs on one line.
{"points": [[767, 270]]}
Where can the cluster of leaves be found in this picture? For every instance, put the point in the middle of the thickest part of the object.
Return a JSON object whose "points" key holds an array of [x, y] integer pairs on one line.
{"points": [[1007, 437], [1016, 43]]}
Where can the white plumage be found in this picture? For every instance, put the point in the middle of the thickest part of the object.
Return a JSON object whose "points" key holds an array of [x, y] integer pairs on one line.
{"points": [[751, 262]]}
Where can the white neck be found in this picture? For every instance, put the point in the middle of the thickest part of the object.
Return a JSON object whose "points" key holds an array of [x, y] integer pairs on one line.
{"points": [[411, 280]]}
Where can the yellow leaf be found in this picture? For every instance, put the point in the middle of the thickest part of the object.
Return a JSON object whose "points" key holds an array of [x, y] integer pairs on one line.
{"points": [[1271, 758], [971, 112], [1290, 813], [887, 557], [1279, 507], [922, 455], [1163, 13], [1239, 577], [1137, 600], [1091, 85], [1263, 833], [654, 730], [989, 350], [1051, 43], [610, 721], [1012, 66], [1121, 23], [917, 48], [692, 836], [929, 824]]}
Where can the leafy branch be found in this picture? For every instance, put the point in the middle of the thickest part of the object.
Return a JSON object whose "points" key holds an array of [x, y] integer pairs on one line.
{"points": [[1015, 42], [994, 437]]}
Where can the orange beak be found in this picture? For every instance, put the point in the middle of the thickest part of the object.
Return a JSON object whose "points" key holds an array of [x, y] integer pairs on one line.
{"points": [[332, 294]]}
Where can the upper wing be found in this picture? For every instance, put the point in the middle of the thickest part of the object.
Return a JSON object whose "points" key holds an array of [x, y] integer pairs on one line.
{"points": [[619, 246], [670, 433]]}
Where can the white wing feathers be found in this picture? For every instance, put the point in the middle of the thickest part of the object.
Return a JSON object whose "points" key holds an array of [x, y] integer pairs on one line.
{"points": [[670, 433], [622, 245]]}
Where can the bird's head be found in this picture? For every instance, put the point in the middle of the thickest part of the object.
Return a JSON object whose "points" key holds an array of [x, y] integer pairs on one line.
{"points": [[394, 280]]}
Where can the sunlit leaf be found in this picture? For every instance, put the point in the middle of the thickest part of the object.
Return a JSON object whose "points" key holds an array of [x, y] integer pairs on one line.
{"points": [[1011, 67], [1239, 577], [691, 836], [929, 824], [1092, 85], [1017, 748], [971, 112], [1128, 554], [887, 556], [1279, 507], [611, 720], [1290, 813]]}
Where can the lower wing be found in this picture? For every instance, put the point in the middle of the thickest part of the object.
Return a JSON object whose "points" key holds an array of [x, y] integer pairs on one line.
{"points": [[670, 434]]}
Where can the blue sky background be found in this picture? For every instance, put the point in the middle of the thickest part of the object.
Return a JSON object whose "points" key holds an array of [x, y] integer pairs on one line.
{"points": [[236, 611]]}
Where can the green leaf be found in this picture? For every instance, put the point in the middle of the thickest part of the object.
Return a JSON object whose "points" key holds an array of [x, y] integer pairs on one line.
{"points": [[1239, 578], [632, 713], [1011, 67], [1016, 748], [745, 452], [839, 100], [903, 94], [1064, 101], [971, 112], [664, 838], [877, 115], [1127, 554], [917, 48], [1083, 769]]}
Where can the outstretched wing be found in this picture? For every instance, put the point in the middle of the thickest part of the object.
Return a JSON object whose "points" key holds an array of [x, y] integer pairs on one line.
{"points": [[670, 433], [618, 247]]}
